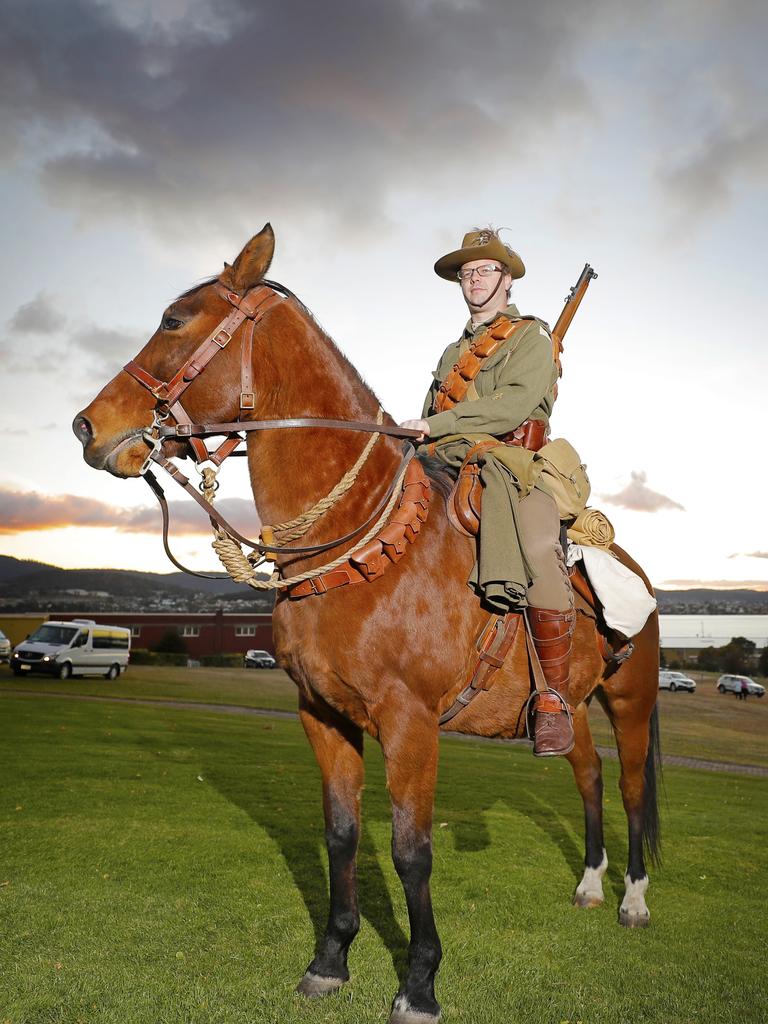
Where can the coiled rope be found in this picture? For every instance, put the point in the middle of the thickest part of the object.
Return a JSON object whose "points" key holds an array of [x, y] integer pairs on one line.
{"points": [[231, 555], [292, 529]]}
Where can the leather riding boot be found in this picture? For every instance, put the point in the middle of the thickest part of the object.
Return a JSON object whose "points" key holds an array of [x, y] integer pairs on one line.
{"points": [[552, 633]]}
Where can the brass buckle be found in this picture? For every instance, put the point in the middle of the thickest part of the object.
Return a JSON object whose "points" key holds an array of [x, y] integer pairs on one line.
{"points": [[247, 400], [217, 336], [183, 430]]}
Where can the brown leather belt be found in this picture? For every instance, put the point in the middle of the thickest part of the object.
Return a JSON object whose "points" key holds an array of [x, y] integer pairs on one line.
{"points": [[531, 434]]}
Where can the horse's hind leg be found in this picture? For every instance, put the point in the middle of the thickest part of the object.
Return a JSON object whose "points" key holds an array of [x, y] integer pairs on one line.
{"points": [[587, 770], [635, 726], [338, 747], [409, 739]]}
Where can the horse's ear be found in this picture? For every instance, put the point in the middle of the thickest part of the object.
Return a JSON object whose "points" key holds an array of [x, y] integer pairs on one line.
{"points": [[252, 264]]}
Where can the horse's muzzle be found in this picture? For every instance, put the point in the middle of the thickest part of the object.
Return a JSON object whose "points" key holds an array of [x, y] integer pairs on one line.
{"points": [[115, 456], [83, 430]]}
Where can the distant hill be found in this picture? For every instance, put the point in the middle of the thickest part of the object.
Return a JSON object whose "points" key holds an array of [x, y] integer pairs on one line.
{"points": [[16, 576], [37, 583], [680, 601], [14, 568]]}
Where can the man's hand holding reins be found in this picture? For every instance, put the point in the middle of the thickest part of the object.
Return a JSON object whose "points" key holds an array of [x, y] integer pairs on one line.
{"points": [[420, 425]]}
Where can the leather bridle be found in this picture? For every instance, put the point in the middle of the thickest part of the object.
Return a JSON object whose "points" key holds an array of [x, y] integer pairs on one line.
{"points": [[248, 310]]}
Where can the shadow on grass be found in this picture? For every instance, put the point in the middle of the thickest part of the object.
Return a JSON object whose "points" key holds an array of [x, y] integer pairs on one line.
{"points": [[287, 806], [554, 814], [278, 787]]}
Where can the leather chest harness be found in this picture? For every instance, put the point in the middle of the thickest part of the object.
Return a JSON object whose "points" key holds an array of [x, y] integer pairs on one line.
{"points": [[455, 386], [464, 503]]}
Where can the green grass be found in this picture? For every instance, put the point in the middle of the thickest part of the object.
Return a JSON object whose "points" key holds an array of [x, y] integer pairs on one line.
{"points": [[704, 724], [259, 688], [160, 866]]}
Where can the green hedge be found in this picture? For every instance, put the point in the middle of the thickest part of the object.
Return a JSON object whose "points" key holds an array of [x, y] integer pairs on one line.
{"points": [[141, 656], [221, 660]]}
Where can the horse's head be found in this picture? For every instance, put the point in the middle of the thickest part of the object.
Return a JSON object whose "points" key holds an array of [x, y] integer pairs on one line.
{"points": [[111, 429]]}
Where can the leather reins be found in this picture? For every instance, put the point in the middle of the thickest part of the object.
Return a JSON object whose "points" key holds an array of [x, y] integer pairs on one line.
{"points": [[249, 308]]}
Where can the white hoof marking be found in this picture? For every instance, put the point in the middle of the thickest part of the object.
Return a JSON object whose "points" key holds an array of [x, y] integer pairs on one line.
{"points": [[634, 912], [402, 1013], [315, 985], [589, 891]]}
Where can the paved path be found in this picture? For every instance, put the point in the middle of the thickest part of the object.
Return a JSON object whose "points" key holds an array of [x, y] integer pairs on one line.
{"points": [[669, 760]]}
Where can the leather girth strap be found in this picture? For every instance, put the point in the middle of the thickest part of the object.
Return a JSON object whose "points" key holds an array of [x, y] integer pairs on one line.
{"points": [[455, 386], [493, 646], [388, 547]]}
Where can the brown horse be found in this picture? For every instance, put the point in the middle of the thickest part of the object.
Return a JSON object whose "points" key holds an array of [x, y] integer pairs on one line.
{"points": [[386, 657]]}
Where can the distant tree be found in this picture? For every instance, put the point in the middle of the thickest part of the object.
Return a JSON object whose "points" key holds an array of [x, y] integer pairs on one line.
{"points": [[709, 659], [738, 655], [171, 643], [762, 665]]}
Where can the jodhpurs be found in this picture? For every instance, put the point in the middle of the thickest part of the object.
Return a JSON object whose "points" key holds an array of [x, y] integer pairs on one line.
{"points": [[540, 528]]}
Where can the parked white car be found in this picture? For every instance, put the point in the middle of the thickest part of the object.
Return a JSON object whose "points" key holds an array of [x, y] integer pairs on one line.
{"points": [[81, 647], [669, 680], [5, 647], [732, 684]]}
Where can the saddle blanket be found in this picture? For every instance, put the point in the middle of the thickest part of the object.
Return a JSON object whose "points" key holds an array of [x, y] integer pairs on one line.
{"points": [[623, 595]]}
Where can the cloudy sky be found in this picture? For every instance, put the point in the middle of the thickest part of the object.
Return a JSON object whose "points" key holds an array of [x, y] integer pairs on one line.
{"points": [[144, 142]]}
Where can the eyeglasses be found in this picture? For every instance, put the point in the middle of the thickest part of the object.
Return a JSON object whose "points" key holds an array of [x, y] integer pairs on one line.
{"points": [[486, 271]]}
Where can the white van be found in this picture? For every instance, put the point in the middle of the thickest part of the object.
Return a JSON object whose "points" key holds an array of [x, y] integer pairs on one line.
{"points": [[78, 648]]}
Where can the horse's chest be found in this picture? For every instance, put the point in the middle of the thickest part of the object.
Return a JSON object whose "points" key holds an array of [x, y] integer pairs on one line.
{"points": [[319, 664]]}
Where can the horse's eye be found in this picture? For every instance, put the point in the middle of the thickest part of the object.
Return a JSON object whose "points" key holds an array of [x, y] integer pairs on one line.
{"points": [[170, 324]]}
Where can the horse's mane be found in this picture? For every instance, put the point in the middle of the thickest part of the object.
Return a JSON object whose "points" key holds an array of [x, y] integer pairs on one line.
{"points": [[441, 476], [278, 287]]}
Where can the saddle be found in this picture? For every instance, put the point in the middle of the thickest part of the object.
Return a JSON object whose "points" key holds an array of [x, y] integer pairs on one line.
{"points": [[465, 500]]}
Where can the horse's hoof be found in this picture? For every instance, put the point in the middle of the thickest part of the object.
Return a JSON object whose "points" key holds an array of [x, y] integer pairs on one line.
{"points": [[589, 891], [634, 920], [403, 1013], [634, 912], [315, 985], [586, 900]]}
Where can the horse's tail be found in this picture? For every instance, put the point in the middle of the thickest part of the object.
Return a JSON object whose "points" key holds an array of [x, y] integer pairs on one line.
{"points": [[653, 783]]}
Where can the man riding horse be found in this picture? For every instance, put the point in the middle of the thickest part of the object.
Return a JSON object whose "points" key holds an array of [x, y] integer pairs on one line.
{"points": [[509, 396]]}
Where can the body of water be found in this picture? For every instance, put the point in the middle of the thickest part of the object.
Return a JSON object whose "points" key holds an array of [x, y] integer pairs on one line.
{"points": [[711, 630]]}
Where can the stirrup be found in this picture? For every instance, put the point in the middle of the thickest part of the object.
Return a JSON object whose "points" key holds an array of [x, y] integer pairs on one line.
{"points": [[530, 712]]}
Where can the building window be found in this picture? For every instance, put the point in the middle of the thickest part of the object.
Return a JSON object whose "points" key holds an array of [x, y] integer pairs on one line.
{"points": [[190, 631], [135, 630], [245, 631]]}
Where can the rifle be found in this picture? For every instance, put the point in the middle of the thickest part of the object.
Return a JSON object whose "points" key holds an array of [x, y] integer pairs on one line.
{"points": [[572, 302]]}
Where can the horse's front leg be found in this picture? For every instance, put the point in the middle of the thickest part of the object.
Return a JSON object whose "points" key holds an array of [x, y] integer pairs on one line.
{"points": [[338, 747], [410, 743]]}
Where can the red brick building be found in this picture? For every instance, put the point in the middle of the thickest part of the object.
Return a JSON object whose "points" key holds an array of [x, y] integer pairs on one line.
{"points": [[211, 633]]}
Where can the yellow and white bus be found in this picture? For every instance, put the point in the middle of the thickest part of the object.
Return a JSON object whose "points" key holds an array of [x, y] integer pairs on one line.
{"points": [[81, 647]]}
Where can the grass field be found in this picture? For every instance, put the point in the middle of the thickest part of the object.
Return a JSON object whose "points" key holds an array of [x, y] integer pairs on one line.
{"points": [[704, 724], [161, 866]]}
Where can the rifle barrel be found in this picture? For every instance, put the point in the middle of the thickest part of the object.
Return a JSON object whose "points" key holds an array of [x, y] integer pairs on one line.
{"points": [[572, 302]]}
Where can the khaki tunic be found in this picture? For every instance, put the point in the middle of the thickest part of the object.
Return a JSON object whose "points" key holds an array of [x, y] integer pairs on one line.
{"points": [[515, 552]]}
